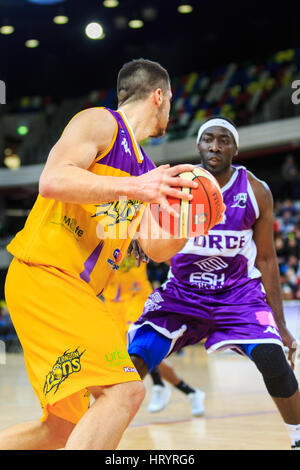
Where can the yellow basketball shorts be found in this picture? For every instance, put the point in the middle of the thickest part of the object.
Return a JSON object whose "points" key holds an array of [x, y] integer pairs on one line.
{"points": [[69, 338]]}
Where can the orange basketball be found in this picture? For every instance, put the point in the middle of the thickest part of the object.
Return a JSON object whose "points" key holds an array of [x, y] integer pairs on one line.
{"points": [[198, 216]]}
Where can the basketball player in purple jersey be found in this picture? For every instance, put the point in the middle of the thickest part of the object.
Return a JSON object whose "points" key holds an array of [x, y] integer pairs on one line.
{"points": [[225, 286]]}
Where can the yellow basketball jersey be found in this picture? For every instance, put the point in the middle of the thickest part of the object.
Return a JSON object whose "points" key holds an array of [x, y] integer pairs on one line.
{"points": [[129, 281], [88, 240]]}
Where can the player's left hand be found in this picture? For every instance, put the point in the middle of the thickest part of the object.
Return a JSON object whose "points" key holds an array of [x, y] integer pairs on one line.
{"points": [[290, 342], [138, 253]]}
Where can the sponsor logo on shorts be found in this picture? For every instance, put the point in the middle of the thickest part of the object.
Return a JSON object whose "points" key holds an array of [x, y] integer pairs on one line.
{"points": [[129, 369], [152, 303], [68, 363], [272, 330], [117, 358]]}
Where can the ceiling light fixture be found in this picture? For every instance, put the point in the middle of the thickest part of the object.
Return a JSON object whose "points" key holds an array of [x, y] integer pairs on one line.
{"points": [[110, 3], [32, 43], [136, 24], [60, 19], [185, 8], [94, 31], [7, 29]]}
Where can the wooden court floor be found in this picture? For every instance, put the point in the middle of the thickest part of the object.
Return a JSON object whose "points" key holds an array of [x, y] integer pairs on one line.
{"points": [[239, 413]]}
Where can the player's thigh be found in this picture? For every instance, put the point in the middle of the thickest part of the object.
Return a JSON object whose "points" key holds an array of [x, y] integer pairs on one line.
{"points": [[70, 340]]}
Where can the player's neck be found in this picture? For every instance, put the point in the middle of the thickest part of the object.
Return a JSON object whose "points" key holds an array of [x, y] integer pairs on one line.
{"points": [[225, 177], [139, 118]]}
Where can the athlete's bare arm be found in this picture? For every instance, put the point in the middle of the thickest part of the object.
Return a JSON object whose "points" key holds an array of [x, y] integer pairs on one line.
{"points": [[266, 259], [87, 136], [157, 244]]}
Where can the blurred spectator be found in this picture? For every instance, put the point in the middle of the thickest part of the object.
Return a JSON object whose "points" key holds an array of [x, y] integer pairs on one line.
{"points": [[287, 224], [292, 246], [289, 207], [157, 273], [291, 178], [7, 331], [287, 245], [297, 234]]}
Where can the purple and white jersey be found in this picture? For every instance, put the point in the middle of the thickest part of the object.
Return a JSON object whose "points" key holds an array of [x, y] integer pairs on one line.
{"points": [[224, 258], [214, 291]]}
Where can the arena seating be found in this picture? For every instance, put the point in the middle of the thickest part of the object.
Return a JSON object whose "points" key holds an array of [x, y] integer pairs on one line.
{"points": [[248, 93]]}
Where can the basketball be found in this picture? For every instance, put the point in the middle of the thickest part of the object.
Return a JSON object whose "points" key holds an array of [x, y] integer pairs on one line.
{"points": [[198, 216]]}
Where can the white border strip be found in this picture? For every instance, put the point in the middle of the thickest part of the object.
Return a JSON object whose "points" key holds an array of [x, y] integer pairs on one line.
{"points": [[227, 343], [253, 199]]}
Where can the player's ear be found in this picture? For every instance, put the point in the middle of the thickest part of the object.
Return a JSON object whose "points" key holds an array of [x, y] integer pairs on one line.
{"points": [[158, 96], [236, 151]]}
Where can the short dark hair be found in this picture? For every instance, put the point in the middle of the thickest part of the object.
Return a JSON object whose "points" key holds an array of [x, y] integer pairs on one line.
{"points": [[138, 78]]}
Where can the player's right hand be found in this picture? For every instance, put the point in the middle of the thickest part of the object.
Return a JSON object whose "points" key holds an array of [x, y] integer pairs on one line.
{"points": [[163, 182]]}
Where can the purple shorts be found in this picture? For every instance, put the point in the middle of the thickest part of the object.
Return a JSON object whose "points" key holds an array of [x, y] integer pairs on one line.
{"points": [[225, 319]]}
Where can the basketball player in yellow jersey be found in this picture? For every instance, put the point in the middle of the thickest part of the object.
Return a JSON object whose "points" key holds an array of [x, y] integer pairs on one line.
{"points": [[127, 293], [125, 298], [92, 198]]}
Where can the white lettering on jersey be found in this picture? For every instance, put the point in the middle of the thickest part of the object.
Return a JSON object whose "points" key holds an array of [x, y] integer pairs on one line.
{"points": [[124, 144], [207, 280], [220, 241], [241, 200]]}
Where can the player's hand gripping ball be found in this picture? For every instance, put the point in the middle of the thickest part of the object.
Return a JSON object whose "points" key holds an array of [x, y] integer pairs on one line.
{"points": [[198, 216]]}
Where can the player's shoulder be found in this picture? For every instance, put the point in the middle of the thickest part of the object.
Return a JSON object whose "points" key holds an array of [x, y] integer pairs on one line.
{"points": [[95, 115], [261, 190], [96, 123]]}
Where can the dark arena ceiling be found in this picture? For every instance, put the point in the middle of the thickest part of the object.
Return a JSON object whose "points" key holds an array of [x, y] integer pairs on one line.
{"points": [[68, 63]]}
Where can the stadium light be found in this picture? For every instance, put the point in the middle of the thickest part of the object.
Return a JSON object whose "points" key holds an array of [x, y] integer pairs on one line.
{"points": [[13, 161], [136, 24], [110, 3], [94, 31], [23, 130], [185, 8], [60, 19], [32, 43], [7, 29]]}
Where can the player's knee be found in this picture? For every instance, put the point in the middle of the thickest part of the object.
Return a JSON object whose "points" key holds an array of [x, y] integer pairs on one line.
{"points": [[269, 359], [132, 396], [278, 376], [57, 430]]}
